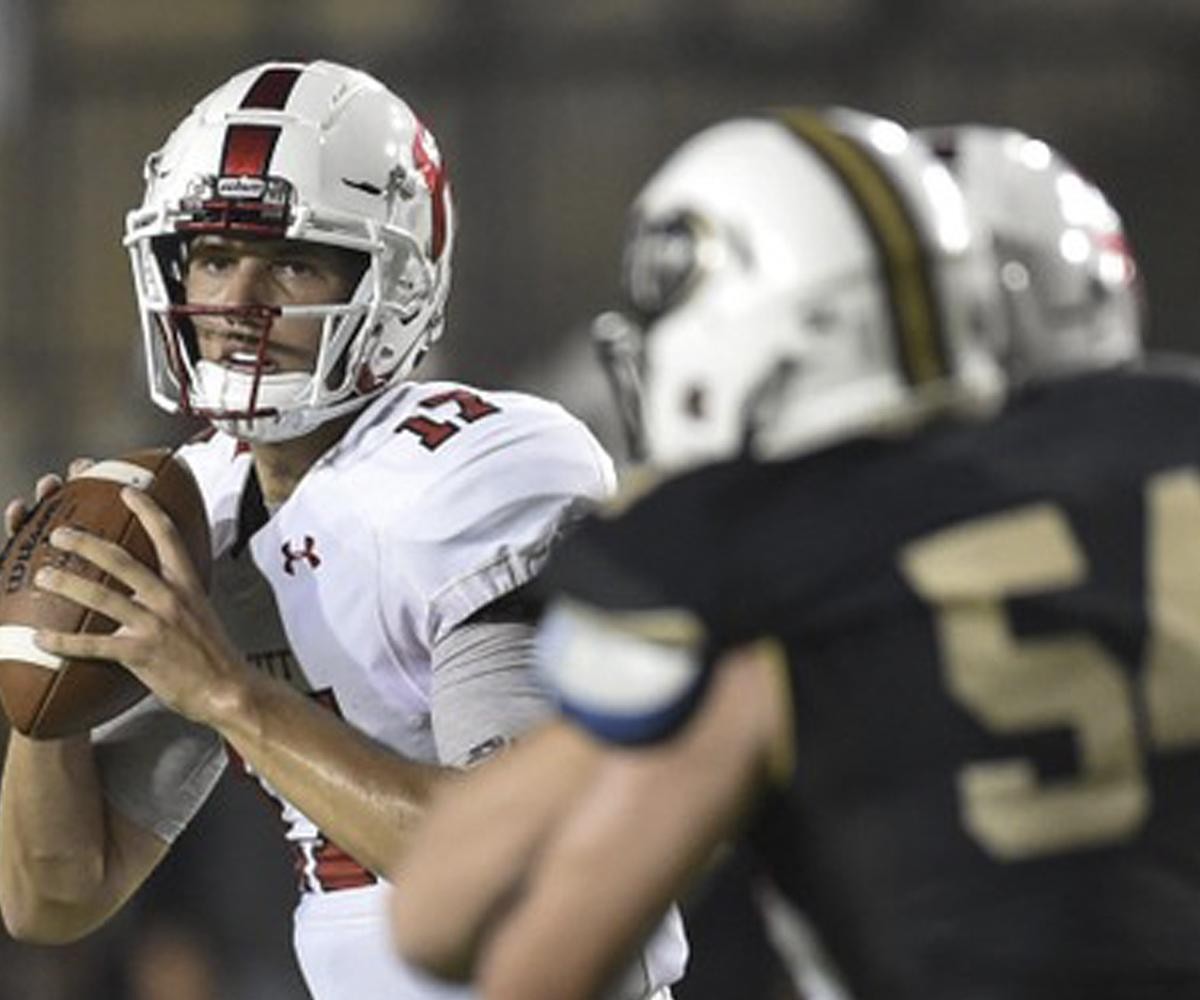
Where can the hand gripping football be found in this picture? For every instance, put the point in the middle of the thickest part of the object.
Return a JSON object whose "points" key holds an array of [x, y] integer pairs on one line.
{"points": [[46, 696]]}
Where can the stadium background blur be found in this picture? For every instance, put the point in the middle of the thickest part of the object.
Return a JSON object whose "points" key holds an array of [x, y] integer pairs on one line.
{"points": [[550, 114]]}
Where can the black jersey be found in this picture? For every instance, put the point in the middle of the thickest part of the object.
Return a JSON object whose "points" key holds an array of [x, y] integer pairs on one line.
{"points": [[993, 638]]}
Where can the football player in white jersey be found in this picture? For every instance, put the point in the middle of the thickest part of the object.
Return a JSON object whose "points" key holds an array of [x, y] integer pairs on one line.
{"points": [[366, 634]]}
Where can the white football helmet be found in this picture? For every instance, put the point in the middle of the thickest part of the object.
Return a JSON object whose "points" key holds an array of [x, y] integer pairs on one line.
{"points": [[316, 152], [1069, 283], [795, 280]]}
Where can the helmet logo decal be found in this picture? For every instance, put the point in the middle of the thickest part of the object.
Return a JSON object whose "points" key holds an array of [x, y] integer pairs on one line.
{"points": [[365, 186], [1115, 246], [241, 187], [398, 185], [237, 202], [429, 163], [271, 90], [661, 263]]}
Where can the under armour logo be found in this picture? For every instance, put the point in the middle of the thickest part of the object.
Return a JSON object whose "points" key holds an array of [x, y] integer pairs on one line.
{"points": [[308, 554]]}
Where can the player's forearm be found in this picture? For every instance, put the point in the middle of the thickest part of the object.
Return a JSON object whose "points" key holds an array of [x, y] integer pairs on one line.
{"points": [[599, 888], [647, 822], [365, 797], [477, 845], [52, 838]]}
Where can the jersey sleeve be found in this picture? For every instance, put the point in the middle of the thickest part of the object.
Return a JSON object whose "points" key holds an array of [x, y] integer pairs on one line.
{"points": [[500, 495], [156, 767], [484, 691]]}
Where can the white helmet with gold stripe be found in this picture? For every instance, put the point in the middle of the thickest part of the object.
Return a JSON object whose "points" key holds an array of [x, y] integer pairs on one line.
{"points": [[800, 278]]}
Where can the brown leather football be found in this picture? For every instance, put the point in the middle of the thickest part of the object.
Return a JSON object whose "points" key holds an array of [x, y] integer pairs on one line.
{"points": [[46, 696]]}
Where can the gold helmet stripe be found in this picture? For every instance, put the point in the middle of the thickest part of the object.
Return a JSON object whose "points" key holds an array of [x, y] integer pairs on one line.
{"points": [[916, 317]]}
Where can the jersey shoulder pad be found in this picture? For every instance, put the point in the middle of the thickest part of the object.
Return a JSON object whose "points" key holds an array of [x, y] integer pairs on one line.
{"points": [[437, 431], [469, 513], [453, 455]]}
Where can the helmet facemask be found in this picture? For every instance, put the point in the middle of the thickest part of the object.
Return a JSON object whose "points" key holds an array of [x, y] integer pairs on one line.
{"points": [[352, 359]]}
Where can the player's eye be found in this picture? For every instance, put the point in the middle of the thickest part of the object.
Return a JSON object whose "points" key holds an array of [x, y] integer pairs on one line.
{"points": [[293, 265], [211, 261]]}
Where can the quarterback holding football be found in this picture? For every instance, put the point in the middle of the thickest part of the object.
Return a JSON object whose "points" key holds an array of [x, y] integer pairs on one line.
{"points": [[366, 634]]}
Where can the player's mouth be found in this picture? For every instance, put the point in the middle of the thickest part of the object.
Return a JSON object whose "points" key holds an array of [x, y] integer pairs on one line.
{"points": [[244, 352], [248, 361]]}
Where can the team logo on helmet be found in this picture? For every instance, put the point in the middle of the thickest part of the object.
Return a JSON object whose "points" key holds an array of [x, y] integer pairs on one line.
{"points": [[662, 262]]}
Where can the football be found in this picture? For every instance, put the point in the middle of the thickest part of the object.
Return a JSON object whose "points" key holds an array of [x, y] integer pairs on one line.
{"points": [[46, 696]]}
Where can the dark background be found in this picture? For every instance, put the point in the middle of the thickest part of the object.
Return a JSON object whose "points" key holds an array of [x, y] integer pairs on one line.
{"points": [[551, 113]]}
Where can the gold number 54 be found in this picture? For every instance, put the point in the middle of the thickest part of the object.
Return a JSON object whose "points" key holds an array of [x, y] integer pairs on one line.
{"points": [[1013, 685]]}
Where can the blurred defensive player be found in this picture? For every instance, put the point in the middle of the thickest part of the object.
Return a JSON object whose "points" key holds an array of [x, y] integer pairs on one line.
{"points": [[943, 675]]}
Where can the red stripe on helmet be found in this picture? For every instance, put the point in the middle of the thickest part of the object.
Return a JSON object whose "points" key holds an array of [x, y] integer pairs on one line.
{"points": [[434, 172], [271, 90], [248, 150]]}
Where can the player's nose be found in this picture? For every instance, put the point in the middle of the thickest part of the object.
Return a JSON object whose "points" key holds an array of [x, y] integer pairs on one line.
{"points": [[246, 283]]}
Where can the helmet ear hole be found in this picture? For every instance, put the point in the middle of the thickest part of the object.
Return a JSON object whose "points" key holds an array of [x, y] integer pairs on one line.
{"points": [[352, 267]]}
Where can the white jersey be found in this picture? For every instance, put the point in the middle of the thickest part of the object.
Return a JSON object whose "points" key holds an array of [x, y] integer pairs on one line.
{"points": [[439, 500]]}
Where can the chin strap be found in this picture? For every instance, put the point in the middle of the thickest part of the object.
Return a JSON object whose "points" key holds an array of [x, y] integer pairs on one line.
{"points": [[256, 408]]}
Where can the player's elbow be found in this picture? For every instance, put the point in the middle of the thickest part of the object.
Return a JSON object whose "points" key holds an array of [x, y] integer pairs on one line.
{"points": [[51, 901], [37, 921], [30, 927]]}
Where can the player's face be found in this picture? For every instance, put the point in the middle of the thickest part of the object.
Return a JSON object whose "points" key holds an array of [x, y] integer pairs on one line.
{"points": [[225, 271]]}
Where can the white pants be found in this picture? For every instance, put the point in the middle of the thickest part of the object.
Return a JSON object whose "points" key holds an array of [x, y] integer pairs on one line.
{"points": [[344, 948]]}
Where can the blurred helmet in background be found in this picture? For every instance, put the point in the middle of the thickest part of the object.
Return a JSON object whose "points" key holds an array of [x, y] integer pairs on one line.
{"points": [[1069, 284], [797, 279], [315, 152]]}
